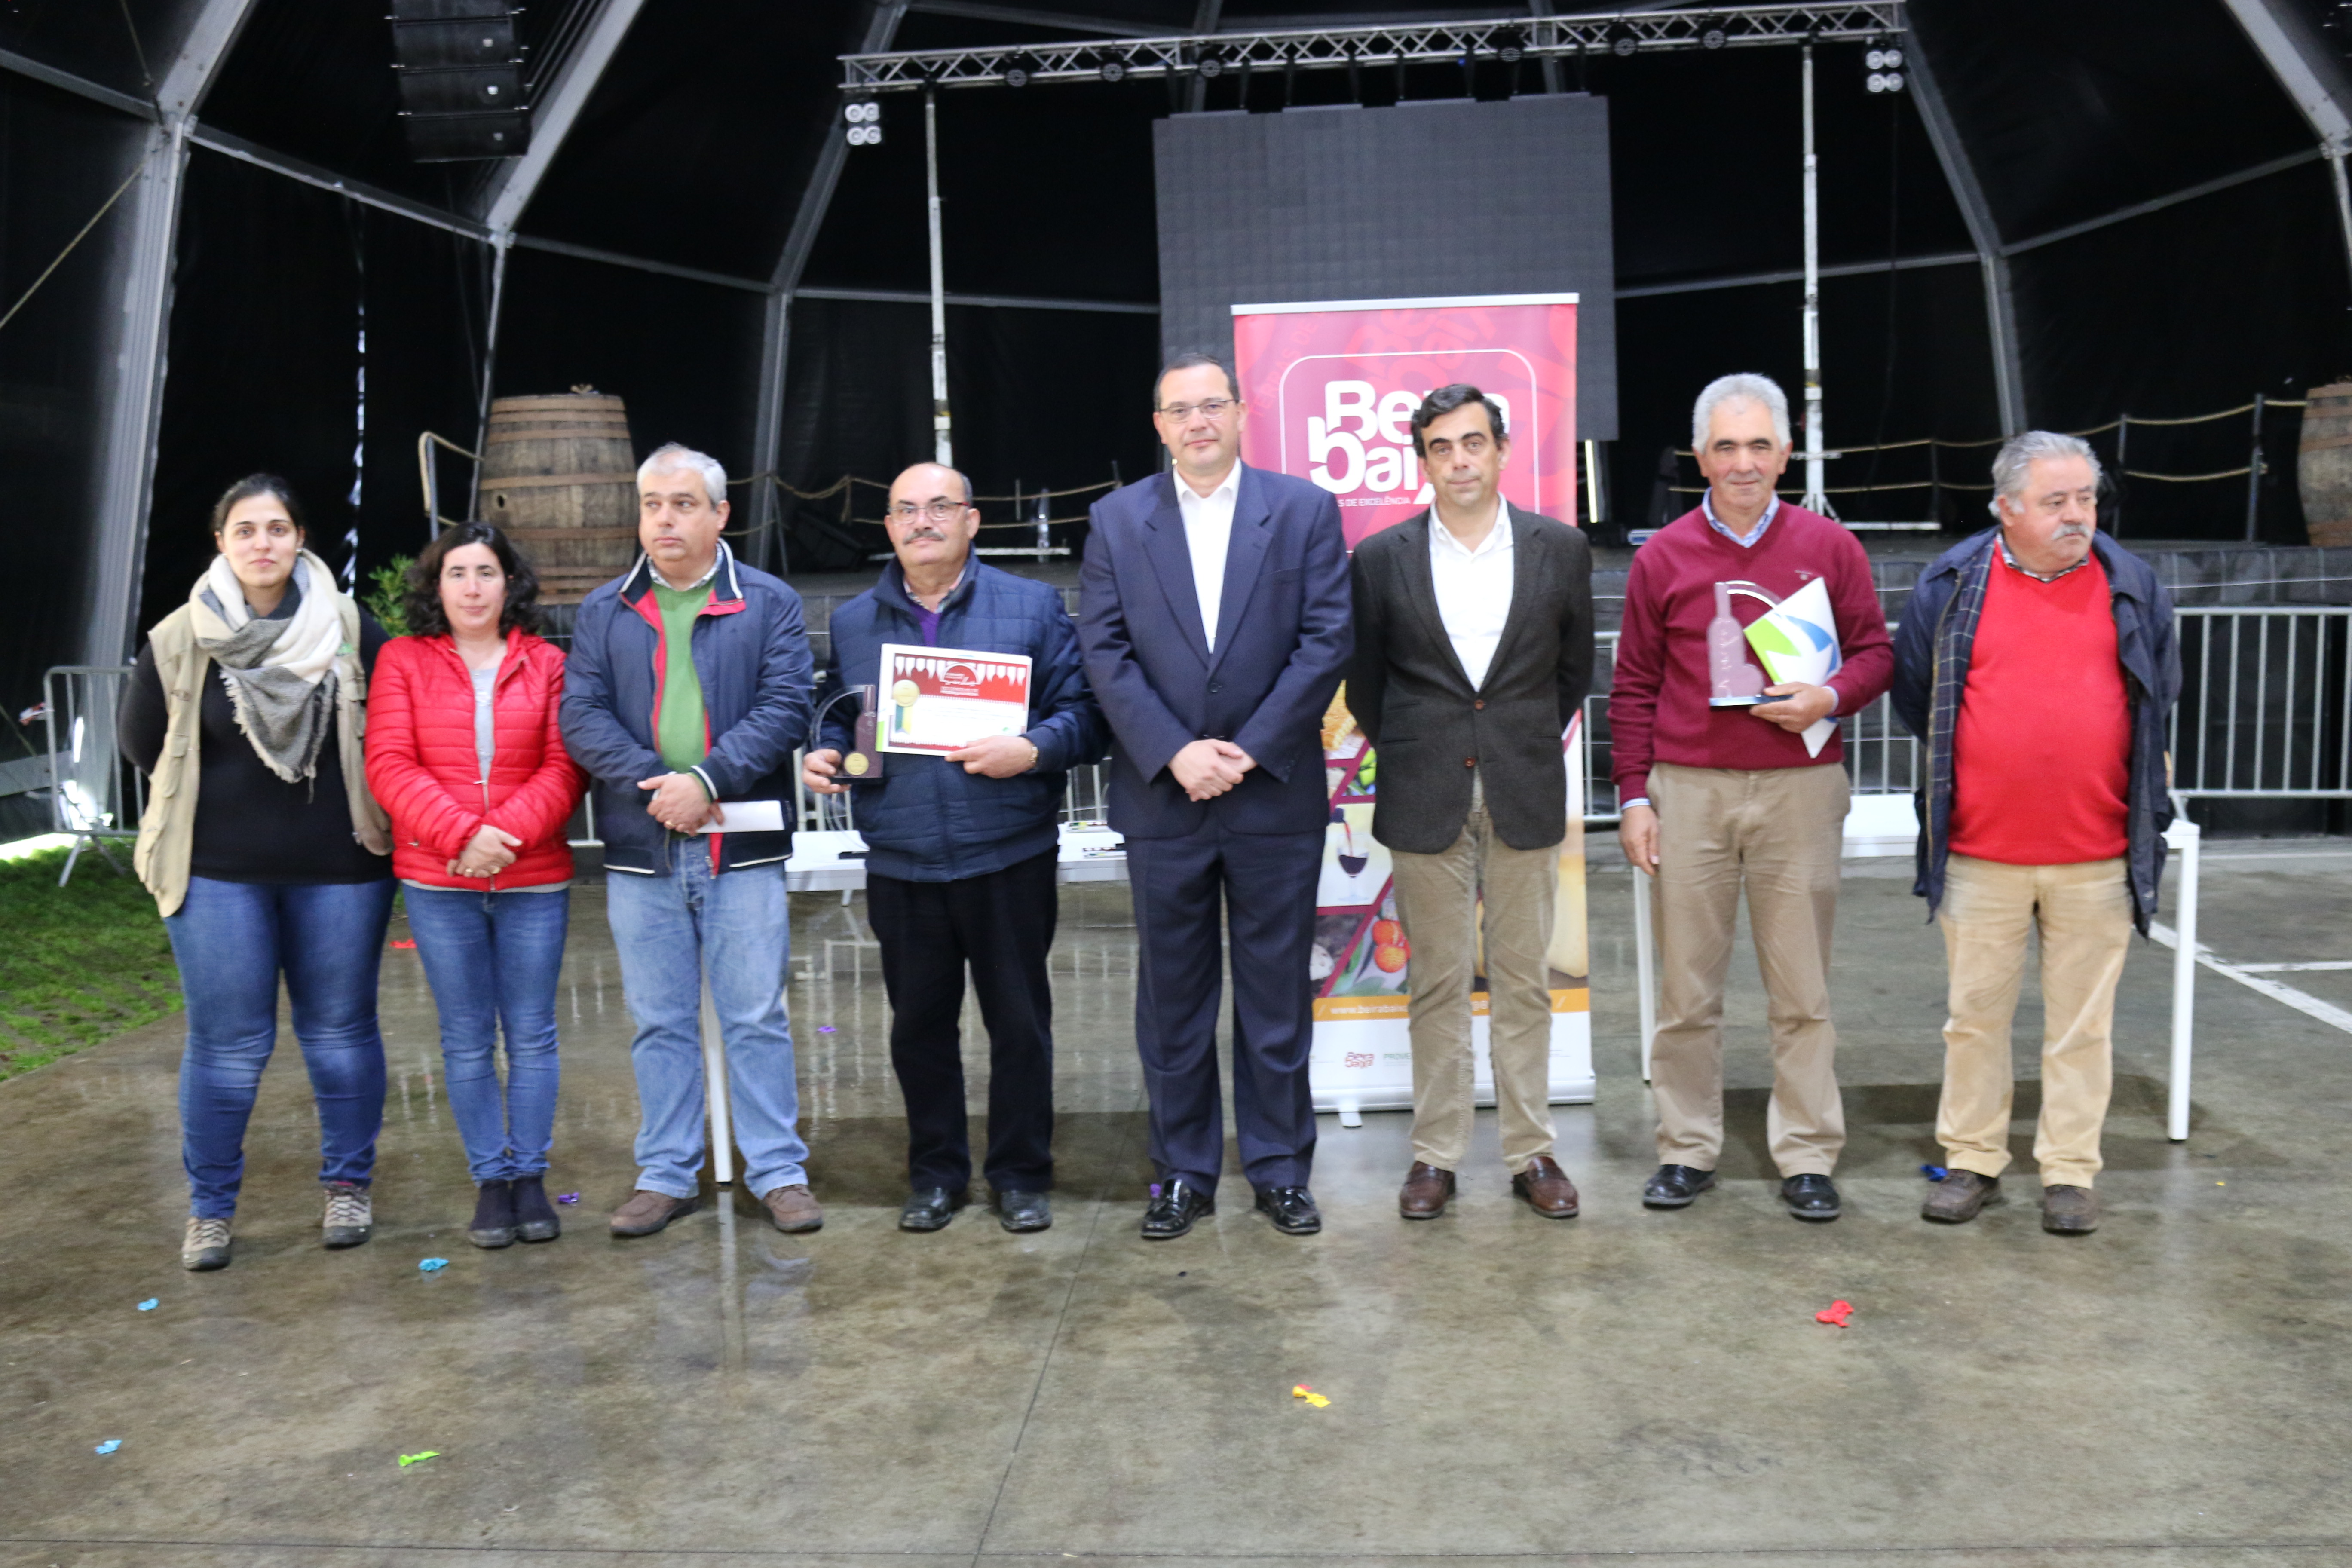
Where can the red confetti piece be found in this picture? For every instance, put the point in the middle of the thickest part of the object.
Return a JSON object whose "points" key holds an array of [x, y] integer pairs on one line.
{"points": [[1835, 1313], [410, 943]]}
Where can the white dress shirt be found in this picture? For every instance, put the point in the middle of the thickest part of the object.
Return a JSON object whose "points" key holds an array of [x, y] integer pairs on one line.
{"points": [[1473, 590], [1209, 534]]}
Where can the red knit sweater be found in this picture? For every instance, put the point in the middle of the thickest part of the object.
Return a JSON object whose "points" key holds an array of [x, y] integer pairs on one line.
{"points": [[2042, 754], [1658, 705]]}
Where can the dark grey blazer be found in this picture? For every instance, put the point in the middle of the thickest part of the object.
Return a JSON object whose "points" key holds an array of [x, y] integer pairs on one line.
{"points": [[1410, 696]]}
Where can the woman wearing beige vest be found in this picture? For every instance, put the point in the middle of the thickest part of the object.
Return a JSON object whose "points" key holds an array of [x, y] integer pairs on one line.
{"points": [[265, 852]]}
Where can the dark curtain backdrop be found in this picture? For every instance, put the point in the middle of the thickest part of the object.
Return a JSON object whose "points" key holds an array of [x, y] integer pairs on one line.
{"points": [[1047, 399], [266, 363]]}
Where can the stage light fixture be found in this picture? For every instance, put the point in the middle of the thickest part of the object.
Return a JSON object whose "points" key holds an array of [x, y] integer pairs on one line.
{"points": [[1884, 59], [1623, 42], [1212, 64], [1112, 70], [1018, 73], [1509, 45], [864, 118], [1886, 82], [1711, 33]]}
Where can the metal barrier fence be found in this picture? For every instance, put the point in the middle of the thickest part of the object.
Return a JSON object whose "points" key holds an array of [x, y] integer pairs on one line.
{"points": [[88, 780], [2266, 704]]}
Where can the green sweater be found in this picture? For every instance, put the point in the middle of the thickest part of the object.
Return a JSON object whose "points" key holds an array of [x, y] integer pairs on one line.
{"points": [[683, 733]]}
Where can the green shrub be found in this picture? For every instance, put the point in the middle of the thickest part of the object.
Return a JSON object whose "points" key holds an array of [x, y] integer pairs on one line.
{"points": [[81, 962], [384, 600]]}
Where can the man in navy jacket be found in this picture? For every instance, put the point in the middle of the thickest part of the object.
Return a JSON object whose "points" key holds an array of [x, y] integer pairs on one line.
{"points": [[1214, 616], [687, 685], [961, 849]]}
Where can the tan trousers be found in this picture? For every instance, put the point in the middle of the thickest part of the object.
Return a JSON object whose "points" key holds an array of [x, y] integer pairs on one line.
{"points": [[2085, 915], [1778, 832], [1437, 899]]}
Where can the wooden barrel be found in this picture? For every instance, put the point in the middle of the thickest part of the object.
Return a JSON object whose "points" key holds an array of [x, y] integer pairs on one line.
{"points": [[2324, 465], [560, 476]]}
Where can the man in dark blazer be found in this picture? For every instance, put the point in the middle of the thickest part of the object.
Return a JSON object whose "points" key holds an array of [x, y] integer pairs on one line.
{"points": [[1213, 617], [1473, 652]]}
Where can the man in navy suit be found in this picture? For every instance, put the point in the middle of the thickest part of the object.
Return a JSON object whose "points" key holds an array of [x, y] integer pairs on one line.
{"points": [[1214, 620]]}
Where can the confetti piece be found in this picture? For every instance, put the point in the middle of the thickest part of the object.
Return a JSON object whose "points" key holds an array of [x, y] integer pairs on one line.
{"points": [[568, 1198], [825, 1028], [434, 1265], [149, 1304], [1301, 1391], [1934, 1173], [408, 1460], [410, 943], [1836, 1312], [109, 1445], [1155, 1189]]}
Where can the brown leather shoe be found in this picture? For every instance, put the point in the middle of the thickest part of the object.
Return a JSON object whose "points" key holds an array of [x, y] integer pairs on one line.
{"points": [[1546, 1188], [793, 1208], [2069, 1211], [647, 1213], [1425, 1192]]}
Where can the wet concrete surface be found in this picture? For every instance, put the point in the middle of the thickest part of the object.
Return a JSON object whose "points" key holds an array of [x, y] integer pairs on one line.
{"points": [[1503, 1388]]}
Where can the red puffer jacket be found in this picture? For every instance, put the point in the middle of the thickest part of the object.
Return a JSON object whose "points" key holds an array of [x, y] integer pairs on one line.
{"points": [[420, 763]]}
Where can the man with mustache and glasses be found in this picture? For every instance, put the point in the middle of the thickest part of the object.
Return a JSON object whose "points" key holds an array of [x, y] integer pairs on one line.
{"points": [[1717, 797], [2037, 662], [961, 848], [1213, 613]]}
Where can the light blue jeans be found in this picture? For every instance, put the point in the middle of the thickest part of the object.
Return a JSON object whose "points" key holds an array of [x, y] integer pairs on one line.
{"points": [[493, 958], [670, 930]]}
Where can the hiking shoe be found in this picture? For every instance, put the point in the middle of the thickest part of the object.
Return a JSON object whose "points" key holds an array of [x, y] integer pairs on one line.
{"points": [[494, 1217], [351, 1218], [793, 1208], [647, 1211], [1959, 1196], [204, 1248], [534, 1215], [2069, 1211]]}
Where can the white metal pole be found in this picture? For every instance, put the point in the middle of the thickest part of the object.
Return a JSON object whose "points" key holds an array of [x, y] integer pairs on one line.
{"points": [[943, 433], [1816, 493], [2334, 150], [500, 242], [714, 1086], [2184, 838], [1646, 967]]}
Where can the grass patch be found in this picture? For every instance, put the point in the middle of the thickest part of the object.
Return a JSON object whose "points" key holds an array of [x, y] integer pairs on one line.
{"points": [[80, 963]]}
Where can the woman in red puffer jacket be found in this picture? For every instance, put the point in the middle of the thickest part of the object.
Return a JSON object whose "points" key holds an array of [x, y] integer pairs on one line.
{"points": [[465, 753]]}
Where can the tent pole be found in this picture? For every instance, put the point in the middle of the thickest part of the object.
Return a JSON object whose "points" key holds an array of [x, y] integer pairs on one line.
{"points": [[942, 429], [501, 241], [1816, 495]]}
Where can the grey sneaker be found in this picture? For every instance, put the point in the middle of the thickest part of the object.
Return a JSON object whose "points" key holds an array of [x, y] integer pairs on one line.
{"points": [[2069, 1211], [1957, 1199], [204, 1248], [351, 1218]]}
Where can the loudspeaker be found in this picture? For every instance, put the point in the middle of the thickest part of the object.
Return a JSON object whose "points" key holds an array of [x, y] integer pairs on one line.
{"points": [[459, 67]]}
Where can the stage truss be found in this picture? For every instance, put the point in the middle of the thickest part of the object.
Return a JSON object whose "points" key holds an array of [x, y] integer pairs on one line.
{"points": [[1506, 40]]}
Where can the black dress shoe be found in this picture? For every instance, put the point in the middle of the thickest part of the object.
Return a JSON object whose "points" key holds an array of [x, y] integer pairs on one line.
{"points": [[930, 1208], [1674, 1185], [1023, 1211], [1174, 1207], [1292, 1209], [1810, 1197]]}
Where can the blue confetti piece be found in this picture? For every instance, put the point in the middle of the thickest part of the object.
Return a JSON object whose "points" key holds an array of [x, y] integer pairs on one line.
{"points": [[825, 1028], [568, 1198], [434, 1265], [149, 1304], [1934, 1173], [109, 1445]]}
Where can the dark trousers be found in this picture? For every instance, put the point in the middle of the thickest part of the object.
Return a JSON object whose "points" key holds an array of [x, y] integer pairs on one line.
{"points": [[1002, 924], [1265, 885]]}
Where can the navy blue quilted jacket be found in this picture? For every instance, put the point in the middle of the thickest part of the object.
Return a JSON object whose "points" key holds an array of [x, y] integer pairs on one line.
{"points": [[1932, 649], [925, 819]]}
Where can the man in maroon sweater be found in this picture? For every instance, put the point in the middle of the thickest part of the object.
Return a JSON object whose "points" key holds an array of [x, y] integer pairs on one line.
{"points": [[1714, 797]]}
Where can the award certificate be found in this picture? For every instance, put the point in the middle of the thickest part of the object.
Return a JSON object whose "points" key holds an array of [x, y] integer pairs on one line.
{"points": [[940, 699]]}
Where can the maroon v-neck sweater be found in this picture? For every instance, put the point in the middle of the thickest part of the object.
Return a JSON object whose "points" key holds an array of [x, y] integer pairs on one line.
{"points": [[1657, 706]]}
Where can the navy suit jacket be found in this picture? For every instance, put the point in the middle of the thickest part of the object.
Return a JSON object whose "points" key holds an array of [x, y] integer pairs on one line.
{"points": [[1283, 638]]}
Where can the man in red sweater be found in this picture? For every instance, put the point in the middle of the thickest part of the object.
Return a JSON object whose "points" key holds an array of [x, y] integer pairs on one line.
{"points": [[2037, 663], [1715, 797]]}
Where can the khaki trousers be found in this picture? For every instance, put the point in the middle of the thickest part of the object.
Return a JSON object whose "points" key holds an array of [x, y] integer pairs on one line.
{"points": [[1437, 899], [2085, 915], [1777, 831]]}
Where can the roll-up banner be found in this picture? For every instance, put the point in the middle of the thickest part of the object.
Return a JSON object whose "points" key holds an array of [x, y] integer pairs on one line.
{"points": [[1331, 388]]}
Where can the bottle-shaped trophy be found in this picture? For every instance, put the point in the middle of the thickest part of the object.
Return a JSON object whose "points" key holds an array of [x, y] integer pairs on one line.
{"points": [[865, 761], [1736, 682]]}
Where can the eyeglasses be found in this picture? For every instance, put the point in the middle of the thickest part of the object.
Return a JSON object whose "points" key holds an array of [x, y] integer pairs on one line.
{"points": [[1215, 407], [937, 510]]}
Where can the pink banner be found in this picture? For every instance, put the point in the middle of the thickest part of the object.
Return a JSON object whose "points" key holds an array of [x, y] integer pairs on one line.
{"points": [[1332, 390]]}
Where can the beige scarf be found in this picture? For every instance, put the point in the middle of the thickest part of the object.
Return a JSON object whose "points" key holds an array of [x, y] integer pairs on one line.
{"points": [[280, 673]]}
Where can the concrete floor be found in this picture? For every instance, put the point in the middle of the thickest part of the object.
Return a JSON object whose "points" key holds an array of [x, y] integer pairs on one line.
{"points": [[1503, 1389]]}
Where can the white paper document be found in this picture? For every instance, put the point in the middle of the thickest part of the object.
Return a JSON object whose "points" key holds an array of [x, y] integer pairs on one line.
{"points": [[748, 816]]}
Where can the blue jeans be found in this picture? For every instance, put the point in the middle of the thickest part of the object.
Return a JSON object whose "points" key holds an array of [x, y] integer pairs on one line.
{"points": [[232, 940], [670, 930], [493, 958]]}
